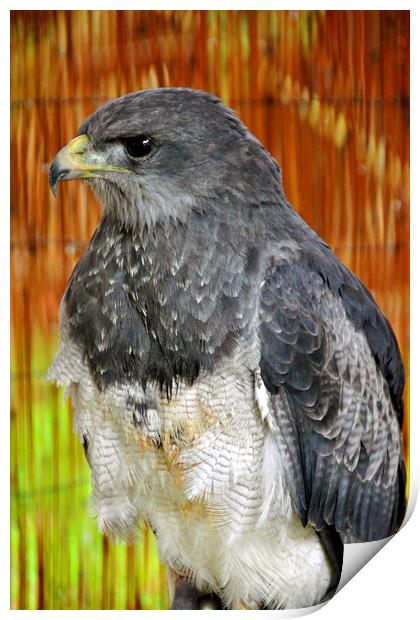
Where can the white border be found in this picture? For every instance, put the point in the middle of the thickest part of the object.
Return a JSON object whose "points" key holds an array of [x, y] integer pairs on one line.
{"points": [[387, 586]]}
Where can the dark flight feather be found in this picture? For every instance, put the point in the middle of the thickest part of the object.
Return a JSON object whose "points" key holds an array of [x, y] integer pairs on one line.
{"points": [[313, 369]]}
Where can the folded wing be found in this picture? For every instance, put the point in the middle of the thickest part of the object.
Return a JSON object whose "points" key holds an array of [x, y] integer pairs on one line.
{"points": [[332, 366]]}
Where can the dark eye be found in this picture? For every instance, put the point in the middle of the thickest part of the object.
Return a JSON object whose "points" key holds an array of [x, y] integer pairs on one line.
{"points": [[138, 146]]}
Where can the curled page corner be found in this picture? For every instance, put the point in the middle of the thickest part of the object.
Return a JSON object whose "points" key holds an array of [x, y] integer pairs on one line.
{"points": [[356, 556]]}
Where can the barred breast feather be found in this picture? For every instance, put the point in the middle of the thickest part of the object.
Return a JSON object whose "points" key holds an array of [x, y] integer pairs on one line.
{"points": [[204, 470]]}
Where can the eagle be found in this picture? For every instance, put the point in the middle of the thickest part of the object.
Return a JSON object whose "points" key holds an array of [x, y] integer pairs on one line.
{"points": [[234, 385]]}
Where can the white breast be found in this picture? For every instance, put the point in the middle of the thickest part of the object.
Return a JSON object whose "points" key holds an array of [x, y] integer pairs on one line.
{"points": [[205, 471]]}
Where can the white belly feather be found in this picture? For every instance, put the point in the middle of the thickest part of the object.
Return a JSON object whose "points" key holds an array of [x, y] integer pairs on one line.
{"points": [[204, 470]]}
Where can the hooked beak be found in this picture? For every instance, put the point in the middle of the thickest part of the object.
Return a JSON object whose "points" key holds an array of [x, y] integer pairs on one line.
{"points": [[78, 160]]}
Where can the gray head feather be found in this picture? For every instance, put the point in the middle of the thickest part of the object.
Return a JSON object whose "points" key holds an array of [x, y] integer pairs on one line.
{"points": [[203, 158]]}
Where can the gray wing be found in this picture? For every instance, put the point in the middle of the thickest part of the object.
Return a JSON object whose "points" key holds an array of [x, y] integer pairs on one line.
{"points": [[340, 435]]}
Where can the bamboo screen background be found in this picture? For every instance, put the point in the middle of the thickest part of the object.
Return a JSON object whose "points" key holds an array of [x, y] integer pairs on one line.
{"points": [[326, 92]]}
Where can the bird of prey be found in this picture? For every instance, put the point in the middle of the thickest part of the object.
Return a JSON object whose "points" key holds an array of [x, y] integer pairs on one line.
{"points": [[234, 385]]}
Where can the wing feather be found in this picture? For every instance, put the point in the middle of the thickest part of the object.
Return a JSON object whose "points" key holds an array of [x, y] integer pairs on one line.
{"points": [[338, 422]]}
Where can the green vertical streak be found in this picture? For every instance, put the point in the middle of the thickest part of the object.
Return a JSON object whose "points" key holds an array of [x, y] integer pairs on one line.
{"points": [[13, 556], [31, 559], [14, 533], [129, 567]]}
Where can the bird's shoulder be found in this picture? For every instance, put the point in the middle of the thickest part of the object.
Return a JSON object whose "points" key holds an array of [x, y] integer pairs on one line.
{"points": [[303, 270], [331, 363]]}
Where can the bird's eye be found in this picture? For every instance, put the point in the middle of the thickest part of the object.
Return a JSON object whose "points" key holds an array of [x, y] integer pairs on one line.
{"points": [[138, 146]]}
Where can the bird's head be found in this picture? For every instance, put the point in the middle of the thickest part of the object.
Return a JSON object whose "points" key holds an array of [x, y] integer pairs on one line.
{"points": [[155, 155]]}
